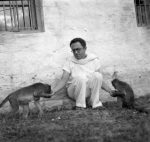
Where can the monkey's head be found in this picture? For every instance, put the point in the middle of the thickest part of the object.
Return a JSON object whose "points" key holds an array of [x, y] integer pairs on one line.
{"points": [[47, 89], [114, 83], [117, 92]]}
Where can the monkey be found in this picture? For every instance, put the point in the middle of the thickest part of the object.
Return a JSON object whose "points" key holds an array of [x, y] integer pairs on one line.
{"points": [[25, 95], [124, 93]]}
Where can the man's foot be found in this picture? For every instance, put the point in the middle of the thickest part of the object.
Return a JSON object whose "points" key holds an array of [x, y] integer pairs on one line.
{"points": [[99, 108]]}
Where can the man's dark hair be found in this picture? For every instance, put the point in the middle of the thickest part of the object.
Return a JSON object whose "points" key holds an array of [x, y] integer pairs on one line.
{"points": [[82, 42]]}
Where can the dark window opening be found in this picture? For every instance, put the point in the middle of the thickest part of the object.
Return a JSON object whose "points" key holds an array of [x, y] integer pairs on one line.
{"points": [[18, 15], [142, 8]]}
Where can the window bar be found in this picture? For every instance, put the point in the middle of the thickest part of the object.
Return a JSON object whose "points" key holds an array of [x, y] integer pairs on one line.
{"points": [[30, 14], [146, 16], [23, 14], [35, 14], [136, 11], [17, 14], [148, 12], [11, 15], [4, 16], [144, 13], [140, 13], [14, 15]]}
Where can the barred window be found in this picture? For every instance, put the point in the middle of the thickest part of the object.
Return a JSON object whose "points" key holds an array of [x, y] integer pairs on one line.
{"points": [[20, 15], [142, 8]]}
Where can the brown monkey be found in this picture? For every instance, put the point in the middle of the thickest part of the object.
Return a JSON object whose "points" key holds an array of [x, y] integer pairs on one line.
{"points": [[23, 96], [125, 93]]}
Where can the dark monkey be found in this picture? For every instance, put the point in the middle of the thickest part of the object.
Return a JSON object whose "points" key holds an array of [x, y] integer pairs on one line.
{"points": [[23, 96], [124, 93]]}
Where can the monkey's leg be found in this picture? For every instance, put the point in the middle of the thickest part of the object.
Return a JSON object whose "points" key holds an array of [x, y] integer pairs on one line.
{"points": [[25, 110], [119, 102], [38, 106], [14, 105]]}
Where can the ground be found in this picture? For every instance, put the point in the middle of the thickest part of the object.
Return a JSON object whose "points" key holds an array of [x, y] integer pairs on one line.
{"points": [[109, 125]]}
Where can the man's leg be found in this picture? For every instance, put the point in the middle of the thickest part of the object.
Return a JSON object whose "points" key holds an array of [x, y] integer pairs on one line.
{"points": [[77, 91], [95, 83]]}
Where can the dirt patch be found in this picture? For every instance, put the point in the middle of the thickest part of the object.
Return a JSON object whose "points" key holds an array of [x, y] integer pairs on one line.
{"points": [[110, 125]]}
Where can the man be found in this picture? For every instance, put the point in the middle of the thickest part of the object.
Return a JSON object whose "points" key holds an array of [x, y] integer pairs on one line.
{"points": [[81, 75]]}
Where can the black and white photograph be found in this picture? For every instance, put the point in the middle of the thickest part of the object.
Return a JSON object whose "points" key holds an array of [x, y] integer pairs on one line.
{"points": [[74, 70]]}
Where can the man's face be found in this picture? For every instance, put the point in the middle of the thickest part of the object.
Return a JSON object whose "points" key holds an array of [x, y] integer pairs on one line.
{"points": [[78, 50]]}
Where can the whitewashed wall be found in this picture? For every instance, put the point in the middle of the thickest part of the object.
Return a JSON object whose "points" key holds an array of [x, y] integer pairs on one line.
{"points": [[111, 32]]}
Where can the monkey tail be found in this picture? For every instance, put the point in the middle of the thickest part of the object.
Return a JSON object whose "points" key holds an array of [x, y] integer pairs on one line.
{"points": [[4, 101], [142, 108]]}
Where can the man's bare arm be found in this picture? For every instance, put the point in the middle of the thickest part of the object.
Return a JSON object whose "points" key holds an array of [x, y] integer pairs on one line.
{"points": [[61, 83], [107, 88], [104, 85]]}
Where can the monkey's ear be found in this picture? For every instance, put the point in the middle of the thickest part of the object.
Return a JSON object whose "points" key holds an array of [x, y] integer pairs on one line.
{"points": [[115, 75]]}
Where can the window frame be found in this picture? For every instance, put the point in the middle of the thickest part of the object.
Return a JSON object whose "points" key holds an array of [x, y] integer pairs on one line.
{"points": [[142, 11], [35, 16]]}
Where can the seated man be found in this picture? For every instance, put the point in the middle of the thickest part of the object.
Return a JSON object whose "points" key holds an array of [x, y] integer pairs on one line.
{"points": [[81, 75]]}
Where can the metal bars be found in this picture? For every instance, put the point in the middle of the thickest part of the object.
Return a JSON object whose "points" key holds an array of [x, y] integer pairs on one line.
{"points": [[16, 15], [5, 15], [23, 13], [142, 8], [11, 14], [30, 13]]}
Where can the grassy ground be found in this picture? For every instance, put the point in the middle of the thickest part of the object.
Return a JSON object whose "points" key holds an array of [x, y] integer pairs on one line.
{"points": [[110, 125]]}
